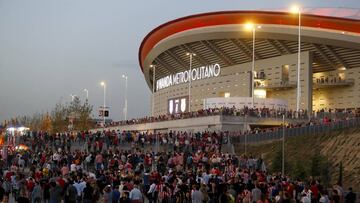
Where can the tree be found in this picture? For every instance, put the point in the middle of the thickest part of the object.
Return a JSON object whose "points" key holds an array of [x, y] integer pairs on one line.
{"points": [[320, 167], [326, 173], [299, 171], [277, 161], [24, 120], [276, 165], [315, 165], [59, 118], [46, 123], [341, 168], [84, 122], [80, 114], [35, 121], [75, 106]]}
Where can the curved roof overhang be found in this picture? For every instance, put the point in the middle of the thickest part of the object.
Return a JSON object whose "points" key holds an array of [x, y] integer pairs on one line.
{"points": [[227, 25]]}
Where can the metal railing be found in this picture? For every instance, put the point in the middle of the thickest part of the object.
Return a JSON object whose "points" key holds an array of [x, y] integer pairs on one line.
{"points": [[275, 85], [291, 132], [331, 82]]}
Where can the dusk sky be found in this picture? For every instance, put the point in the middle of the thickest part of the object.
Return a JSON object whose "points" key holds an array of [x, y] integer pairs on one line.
{"points": [[50, 49]]}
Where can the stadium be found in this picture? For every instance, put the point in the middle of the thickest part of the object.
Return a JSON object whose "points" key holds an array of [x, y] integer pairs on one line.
{"points": [[215, 54]]}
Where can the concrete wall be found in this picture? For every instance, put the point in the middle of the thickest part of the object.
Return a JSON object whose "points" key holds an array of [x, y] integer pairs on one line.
{"points": [[208, 123], [237, 81], [306, 82], [337, 96], [192, 124]]}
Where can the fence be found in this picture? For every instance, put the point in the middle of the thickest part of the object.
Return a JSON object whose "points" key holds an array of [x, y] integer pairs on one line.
{"points": [[290, 132]]}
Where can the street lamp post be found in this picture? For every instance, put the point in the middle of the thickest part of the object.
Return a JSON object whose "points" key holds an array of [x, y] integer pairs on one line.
{"points": [[283, 148], [153, 91], [297, 10], [126, 87], [153, 107], [245, 136], [104, 106], [87, 93], [157, 143], [253, 67], [191, 56], [252, 27]]}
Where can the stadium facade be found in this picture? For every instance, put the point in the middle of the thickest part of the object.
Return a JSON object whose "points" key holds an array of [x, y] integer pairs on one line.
{"points": [[218, 68]]}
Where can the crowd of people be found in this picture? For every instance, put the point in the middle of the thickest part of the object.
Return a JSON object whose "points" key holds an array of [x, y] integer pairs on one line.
{"points": [[225, 111], [331, 79], [113, 166], [245, 111]]}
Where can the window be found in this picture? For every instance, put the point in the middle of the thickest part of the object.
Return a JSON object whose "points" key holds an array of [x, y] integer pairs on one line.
{"points": [[260, 93], [285, 74]]}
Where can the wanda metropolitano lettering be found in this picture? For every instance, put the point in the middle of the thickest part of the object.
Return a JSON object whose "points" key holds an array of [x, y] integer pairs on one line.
{"points": [[202, 72]]}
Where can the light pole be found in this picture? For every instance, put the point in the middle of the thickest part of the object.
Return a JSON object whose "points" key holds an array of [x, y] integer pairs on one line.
{"points": [[103, 110], [126, 86], [297, 10], [283, 148], [87, 93], [191, 56], [252, 27], [153, 91], [245, 137], [153, 107]]}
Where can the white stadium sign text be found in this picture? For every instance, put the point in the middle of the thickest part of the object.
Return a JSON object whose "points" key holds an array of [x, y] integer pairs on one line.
{"points": [[202, 72]]}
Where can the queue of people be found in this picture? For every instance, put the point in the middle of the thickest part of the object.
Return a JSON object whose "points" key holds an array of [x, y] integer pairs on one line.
{"points": [[225, 111], [262, 112]]}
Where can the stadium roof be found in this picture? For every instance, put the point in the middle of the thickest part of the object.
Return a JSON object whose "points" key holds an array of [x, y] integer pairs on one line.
{"points": [[350, 13], [333, 35]]}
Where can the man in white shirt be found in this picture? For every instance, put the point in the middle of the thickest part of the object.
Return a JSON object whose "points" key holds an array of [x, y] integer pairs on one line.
{"points": [[56, 157], [135, 195], [324, 198], [79, 185], [305, 199], [152, 193]]}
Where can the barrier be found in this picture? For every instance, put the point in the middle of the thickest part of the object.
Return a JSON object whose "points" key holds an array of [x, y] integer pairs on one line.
{"points": [[297, 131]]}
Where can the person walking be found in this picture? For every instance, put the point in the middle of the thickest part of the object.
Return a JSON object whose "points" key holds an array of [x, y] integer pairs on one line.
{"points": [[88, 193], [71, 193], [107, 194], [115, 194], [350, 196], [135, 194], [256, 194], [36, 193], [153, 192], [55, 193], [197, 196]]}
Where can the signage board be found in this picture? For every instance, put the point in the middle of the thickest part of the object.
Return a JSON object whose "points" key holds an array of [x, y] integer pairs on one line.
{"points": [[178, 105], [103, 111]]}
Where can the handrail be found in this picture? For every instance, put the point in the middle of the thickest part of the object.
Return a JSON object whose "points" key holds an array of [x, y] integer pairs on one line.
{"points": [[261, 136]]}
